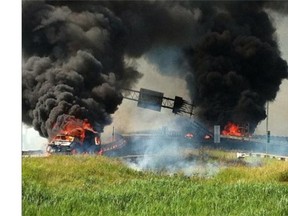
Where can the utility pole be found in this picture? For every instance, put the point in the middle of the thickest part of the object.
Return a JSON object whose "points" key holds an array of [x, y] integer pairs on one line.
{"points": [[113, 135], [267, 128]]}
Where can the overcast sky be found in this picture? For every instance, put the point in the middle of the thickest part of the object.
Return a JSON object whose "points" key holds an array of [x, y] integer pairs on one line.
{"points": [[278, 110]]}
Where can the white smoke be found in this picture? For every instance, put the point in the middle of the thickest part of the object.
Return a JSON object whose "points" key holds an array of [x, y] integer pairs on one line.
{"points": [[167, 153]]}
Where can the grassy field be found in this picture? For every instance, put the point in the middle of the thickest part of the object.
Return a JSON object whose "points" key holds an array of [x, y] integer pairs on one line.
{"points": [[87, 185]]}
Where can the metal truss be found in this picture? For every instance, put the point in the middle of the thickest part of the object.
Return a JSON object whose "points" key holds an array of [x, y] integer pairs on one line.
{"points": [[185, 109]]}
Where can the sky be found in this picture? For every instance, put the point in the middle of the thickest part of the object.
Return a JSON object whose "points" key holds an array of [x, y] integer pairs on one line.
{"points": [[278, 110]]}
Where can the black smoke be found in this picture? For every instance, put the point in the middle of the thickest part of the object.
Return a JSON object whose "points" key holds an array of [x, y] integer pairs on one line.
{"points": [[73, 64], [237, 65], [74, 56]]}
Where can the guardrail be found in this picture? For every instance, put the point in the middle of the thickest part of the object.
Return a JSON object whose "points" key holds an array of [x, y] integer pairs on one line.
{"points": [[261, 155]]}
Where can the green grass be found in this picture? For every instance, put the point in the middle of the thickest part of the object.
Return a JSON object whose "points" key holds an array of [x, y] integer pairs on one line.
{"points": [[86, 185]]}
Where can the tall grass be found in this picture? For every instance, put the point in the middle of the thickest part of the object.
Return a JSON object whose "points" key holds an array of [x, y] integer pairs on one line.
{"points": [[85, 185]]}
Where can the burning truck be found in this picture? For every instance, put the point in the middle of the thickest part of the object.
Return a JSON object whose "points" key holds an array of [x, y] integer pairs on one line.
{"points": [[75, 136], [75, 144]]}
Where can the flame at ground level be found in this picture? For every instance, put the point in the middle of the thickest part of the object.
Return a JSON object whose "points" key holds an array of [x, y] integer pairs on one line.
{"points": [[232, 129]]}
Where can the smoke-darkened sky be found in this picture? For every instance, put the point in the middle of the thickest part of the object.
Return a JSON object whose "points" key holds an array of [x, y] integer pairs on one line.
{"points": [[76, 57], [143, 119]]}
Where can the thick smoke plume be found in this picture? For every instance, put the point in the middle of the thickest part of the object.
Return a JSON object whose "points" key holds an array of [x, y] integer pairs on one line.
{"points": [[237, 64], [73, 57], [73, 64]]}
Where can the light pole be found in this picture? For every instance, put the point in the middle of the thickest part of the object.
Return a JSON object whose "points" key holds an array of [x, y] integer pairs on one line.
{"points": [[267, 129]]}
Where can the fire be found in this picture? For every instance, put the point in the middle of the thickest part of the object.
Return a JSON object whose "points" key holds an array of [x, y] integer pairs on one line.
{"points": [[73, 127], [189, 135], [232, 129]]}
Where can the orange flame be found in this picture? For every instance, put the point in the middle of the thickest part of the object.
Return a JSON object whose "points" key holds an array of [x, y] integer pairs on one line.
{"points": [[232, 129], [189, 135], [74, 127]]}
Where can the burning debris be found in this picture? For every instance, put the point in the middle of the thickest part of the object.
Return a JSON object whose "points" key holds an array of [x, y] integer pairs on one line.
{"points": [[74, 51], [232, 129]]}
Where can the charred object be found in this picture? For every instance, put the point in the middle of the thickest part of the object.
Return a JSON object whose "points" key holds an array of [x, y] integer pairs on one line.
{"points": [[73, 144]]}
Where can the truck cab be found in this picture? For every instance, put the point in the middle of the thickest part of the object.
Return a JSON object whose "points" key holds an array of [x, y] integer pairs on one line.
{"points": [[67, 144]]}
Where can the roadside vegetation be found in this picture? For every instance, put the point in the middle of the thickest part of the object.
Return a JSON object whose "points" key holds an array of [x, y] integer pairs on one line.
{"points": [[97, 185]]}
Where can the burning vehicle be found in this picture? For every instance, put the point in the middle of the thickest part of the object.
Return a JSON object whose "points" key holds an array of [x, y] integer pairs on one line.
{"points": [[236, 131], [74, 136], [75, 144]]}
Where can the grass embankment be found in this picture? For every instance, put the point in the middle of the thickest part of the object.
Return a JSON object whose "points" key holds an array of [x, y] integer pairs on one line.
{"points": [[84, 185]]}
